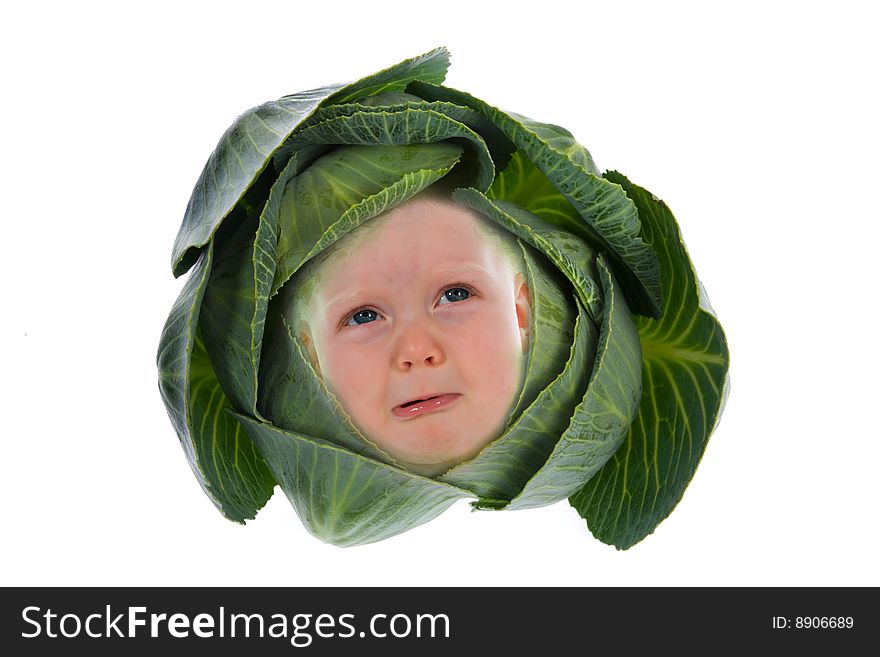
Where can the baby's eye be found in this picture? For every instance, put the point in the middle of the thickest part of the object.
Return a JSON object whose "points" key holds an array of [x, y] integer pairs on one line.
{"points": [[362, 317], [454, 294]]}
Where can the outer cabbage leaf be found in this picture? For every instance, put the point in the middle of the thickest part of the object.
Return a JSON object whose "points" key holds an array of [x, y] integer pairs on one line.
{"points": [[685, 367], [430, 67], [522, 183], [223, 458], [247, 146], [342, 497], [233, 312], [500, 147], [600, 421], [560, 140], [405, 127], [551, 329]]}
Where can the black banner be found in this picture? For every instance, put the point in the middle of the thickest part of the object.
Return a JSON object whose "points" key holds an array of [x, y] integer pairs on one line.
{"points": [[332, 621]]}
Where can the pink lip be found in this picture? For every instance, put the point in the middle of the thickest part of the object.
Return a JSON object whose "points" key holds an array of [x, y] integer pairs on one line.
{"points": [[427, 405]]}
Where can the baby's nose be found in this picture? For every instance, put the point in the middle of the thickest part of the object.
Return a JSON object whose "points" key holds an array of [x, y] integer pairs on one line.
{"points": [[417, 347]]}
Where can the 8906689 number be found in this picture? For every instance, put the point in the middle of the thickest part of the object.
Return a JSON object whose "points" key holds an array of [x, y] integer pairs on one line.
{"points": [[823, 622]]}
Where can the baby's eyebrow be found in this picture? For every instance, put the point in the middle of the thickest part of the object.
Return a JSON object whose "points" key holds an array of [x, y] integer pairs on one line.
{"points": [[347, 298], [461, 270]]}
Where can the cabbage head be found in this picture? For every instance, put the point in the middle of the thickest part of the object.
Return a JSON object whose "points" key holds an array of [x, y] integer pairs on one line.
{"points": [[626, 373]]}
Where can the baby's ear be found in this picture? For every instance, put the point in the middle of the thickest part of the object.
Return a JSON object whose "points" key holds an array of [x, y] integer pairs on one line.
{"points": [[305, 338], [523, 300]]}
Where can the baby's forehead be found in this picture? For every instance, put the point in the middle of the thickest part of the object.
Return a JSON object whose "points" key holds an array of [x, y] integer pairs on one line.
{"points": [[425, 234], [437, 216], [426, 231]]}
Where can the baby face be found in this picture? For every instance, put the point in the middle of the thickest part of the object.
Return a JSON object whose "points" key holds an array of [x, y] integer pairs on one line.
{"points": [[419, 330]]}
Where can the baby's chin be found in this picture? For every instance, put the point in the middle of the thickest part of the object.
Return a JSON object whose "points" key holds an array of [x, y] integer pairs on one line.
{"points": [[429, 469], [431, 462], [434, 451]]}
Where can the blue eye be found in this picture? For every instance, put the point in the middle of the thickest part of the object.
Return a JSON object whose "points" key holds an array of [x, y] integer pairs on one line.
{"points": [[454, 294], [363, 317]]}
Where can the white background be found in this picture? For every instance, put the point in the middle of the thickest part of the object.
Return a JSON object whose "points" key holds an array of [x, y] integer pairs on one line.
{"points": [[757, 124]]}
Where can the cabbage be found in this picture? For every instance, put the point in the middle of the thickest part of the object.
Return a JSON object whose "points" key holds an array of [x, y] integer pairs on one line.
{"points": [[626, 373]]}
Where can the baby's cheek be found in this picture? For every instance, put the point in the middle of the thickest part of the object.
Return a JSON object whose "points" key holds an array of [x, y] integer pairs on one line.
{"points": [[494, 354], [352, 379]]}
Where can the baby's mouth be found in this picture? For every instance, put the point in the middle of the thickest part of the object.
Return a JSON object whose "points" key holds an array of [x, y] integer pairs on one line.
{"points": [[427, 404]]}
